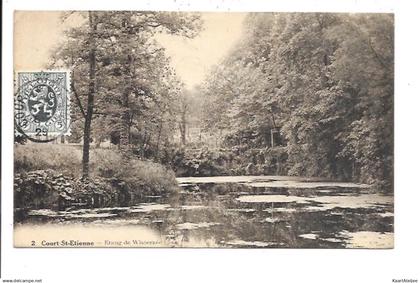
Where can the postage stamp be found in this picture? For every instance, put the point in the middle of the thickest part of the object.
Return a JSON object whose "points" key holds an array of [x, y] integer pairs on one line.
{"points": [[42, 104]]}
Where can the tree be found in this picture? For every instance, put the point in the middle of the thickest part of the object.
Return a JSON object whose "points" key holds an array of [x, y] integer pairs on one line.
{"points": [[91, 94], [325, 80], [127, 69]]}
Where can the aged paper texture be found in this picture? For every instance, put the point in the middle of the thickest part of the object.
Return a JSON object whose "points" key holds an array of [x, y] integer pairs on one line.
{"points": [[222, 130]]}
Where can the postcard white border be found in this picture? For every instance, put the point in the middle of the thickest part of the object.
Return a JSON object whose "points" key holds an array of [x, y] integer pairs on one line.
{"points": [[244, 265]]}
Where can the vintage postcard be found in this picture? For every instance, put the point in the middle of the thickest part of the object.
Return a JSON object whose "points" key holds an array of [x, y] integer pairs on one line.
{"points": [[225, 130]]}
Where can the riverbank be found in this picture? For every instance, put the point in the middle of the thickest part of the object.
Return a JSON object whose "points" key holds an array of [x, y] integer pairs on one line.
{"points": [[49, 177], [269, 161]]}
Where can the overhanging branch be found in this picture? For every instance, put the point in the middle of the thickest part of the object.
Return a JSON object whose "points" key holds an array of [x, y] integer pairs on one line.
{"points": [[79, 103]]}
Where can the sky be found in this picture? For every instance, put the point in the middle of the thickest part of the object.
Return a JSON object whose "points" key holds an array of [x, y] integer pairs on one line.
{"points": [[37, 33], [193, 58]]}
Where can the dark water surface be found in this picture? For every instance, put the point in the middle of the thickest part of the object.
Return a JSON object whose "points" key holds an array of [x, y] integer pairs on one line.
{"points": [[249, 211]]}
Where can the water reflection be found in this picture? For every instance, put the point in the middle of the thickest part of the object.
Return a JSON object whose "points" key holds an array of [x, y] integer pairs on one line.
{"points": [[285, 212]]}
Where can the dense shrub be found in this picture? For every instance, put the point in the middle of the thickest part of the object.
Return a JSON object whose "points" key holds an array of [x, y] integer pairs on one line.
{"points": [[43, 189], [135, 172], [235, 161]]}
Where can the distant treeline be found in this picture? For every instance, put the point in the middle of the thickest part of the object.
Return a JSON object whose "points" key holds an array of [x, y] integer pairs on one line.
{"points": [[324, 81]]}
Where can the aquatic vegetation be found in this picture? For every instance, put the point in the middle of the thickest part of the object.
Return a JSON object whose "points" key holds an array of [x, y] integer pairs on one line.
{"points": [[218, 214], [190, 226], [309, 236], [369, 239]]}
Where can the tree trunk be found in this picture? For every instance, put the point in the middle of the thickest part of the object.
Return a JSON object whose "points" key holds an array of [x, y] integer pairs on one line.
{"points": [[125, 134], [91, 94], [183, 126], [158, 138]]}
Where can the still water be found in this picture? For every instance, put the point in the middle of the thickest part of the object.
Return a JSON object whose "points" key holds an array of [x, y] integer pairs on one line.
{"points": [[240, 211]]}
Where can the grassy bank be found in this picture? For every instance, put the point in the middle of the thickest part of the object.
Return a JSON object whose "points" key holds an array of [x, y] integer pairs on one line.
{"points": [[133, 176], [103, 163]]}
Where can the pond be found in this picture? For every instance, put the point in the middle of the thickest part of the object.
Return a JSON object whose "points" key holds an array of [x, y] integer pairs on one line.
{"points": [[239, 211]]}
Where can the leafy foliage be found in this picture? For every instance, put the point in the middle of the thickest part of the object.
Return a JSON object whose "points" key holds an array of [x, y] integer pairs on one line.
{"points": [[137, 91], [324, 80]]}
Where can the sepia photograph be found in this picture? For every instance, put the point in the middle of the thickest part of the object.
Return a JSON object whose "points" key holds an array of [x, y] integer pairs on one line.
{"points": [[156, 129]]}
